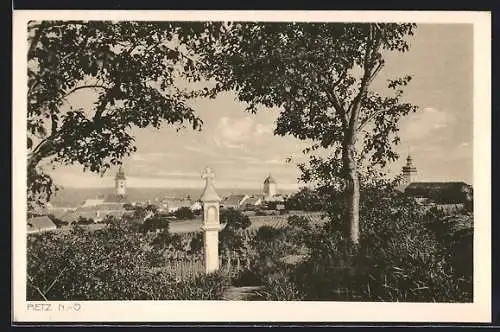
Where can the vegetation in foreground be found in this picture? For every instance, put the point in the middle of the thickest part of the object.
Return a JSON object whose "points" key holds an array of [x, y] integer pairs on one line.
{"points": [[406, 253], [113, 263]]}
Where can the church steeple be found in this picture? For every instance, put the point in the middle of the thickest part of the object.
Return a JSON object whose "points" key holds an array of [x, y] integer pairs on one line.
{"points": [[120, 175], [270, 187], [120, 183], [409, 171]]}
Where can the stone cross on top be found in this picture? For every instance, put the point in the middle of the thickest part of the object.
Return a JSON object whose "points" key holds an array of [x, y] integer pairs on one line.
{"points": [[209, 194], [207, 174]]}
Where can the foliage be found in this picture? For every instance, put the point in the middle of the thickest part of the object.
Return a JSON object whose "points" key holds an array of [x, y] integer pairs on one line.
{"points": [[305, 200], [442, 193], [109, 264], [141, 213], [84, 221], [231, 237], [196, 243], [165, 242], [109, 219], [320, 76], [206, 287], [269, 247], [57, 221], [154, 223], [455, 233], [399, 258], [184, 213], [298, 221], [131, 71], [128, 207], [103, 264], [279, 287]]}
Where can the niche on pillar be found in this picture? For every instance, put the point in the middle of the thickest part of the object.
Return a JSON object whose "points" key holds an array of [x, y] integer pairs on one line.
{"points": [[212, 217]]}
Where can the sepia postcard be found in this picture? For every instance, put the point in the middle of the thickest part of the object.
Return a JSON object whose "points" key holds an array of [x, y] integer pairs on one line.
{"points": [[242, 166]]}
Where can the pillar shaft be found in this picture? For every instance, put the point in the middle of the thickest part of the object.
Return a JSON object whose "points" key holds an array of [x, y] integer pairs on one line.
{"points": [[211, 223], [211, 249]]}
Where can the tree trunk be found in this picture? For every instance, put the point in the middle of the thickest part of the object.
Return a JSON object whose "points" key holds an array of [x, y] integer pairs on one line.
{"points": [[351, 192]]}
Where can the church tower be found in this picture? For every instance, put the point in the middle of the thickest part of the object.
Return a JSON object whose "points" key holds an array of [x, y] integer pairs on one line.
{"points": [[409, 172], [270, 187], [120, 183]]}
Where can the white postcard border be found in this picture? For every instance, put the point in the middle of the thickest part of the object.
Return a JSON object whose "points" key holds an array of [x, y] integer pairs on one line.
{"points": [[224, 311]]}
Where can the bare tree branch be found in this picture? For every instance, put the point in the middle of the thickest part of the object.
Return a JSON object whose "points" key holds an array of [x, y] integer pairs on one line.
{"points": [[90, 86], [36, 288], [54, 281]]}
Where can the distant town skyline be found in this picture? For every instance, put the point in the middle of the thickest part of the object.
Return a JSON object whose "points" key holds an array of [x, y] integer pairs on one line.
{"points": [[242, 150]]}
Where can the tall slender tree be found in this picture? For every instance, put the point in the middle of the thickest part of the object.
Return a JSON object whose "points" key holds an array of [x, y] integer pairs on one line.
{"points": [[320, 75]]}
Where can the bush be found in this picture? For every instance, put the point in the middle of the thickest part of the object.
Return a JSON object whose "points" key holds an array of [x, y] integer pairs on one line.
{"points": [[163, 286], [399, 258], [196, 243], [113, 263], [155, 223], [269, 247], [231, 238], [184, 213], [305, 200], [85, 221], [278, 286]]}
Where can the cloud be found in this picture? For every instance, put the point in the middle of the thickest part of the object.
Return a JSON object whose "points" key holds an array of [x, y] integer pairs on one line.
{"points": [[177, 174], [235, 130], [275, 161], [194, 148], [202, 149], [462, 151], [149, 156], [261, 129], [231, 131], [425, 122], [227, 144]]}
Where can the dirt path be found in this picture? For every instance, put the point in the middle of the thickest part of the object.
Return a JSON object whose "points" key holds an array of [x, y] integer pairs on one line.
{"points": [[240, 293]]}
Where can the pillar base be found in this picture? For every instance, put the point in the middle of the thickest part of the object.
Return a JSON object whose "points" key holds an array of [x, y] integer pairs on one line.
{"points": [[211, 227]]}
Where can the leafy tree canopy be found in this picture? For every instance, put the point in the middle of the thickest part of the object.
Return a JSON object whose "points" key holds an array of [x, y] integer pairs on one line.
{"points": [[305, 199], [132, 68], [319, 75], [184, 213]]}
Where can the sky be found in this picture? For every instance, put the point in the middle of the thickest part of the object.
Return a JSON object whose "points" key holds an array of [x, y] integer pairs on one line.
{"points": [[242, 150]]}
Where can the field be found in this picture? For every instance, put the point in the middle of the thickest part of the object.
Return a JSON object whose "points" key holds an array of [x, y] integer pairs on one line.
{"points": [[193, 226]]}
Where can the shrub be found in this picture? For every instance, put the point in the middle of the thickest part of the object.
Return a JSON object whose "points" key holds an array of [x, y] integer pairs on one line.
{"points": [[278, 286], [85, 221], [270, 246], [163, 286], [113, 263], [196, 243], [184, 213], [231, 238], [399, 258], [298, 221], [305, 200], [155, 223]]}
